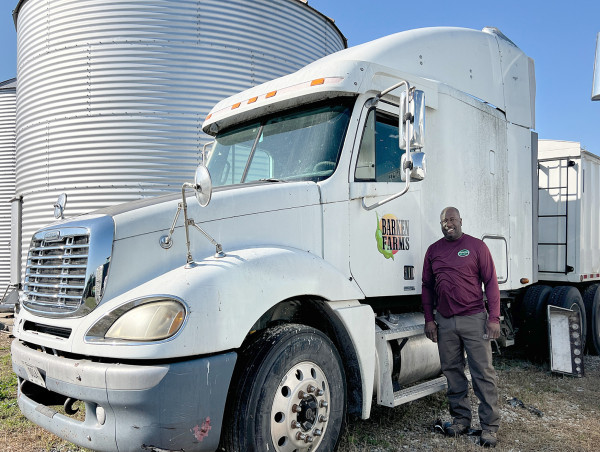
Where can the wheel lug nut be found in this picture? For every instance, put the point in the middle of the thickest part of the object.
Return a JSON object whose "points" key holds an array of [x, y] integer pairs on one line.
{"points": [[311, 388], [308, 439], [322, 418], [303, 395], [323, 404], [296, 424], [317, 432], [320, 392], [301, 436]]}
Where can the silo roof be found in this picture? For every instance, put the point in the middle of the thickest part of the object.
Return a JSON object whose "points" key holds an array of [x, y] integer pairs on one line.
{"points": [[15, 13], [11, 83]]}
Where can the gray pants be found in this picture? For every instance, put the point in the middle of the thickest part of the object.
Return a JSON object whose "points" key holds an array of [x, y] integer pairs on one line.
{"points": [[455, 336]]}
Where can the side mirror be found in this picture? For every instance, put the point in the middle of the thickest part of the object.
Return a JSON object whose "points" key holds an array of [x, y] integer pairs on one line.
{"points": [[59, 206], [416, 115], [419, 167], [202, 185]]}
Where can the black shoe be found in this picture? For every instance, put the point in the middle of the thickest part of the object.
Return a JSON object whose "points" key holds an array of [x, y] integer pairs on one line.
{"points": [[488, 438], [456, 429]]}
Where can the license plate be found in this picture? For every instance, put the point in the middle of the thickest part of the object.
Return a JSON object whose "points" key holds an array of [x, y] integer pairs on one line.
{"points": [[34, 375]]}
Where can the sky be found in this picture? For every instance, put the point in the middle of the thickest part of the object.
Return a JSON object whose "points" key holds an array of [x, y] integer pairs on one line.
{"points": [[559, 36]]}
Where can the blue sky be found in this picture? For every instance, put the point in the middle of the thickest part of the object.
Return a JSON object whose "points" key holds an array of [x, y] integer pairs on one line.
{"points": [[559, 36]]}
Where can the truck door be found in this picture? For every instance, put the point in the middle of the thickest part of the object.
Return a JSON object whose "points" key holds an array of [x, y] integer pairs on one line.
{"points": [[385, 243]]}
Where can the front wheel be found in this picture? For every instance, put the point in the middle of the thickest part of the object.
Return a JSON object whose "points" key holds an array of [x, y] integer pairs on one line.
{"points": [[289, 393]]}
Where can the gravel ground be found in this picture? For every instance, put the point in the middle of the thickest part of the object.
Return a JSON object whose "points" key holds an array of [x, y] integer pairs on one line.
{"points": [[541, 411]]}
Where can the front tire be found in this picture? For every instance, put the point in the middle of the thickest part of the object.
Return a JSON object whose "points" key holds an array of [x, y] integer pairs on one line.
{"points": [[288, 393]]}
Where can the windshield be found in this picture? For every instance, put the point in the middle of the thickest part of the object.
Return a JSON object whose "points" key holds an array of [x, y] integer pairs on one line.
{"points": [[299, 145]]}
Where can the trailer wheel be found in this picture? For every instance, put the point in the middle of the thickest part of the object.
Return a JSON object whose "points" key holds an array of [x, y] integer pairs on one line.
{"points": [[289, 393], [569, 297], [591, 301], [533, 317]]}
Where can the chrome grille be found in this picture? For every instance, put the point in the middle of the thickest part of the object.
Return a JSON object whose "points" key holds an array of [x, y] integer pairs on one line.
{"points": [[55, 279], [68, 266]]}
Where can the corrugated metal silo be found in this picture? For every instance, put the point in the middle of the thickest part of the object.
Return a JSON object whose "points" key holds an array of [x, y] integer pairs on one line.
{"points": [[112, 93], [7, 176]]}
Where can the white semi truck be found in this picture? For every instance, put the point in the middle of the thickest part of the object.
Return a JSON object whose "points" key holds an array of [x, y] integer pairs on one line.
{"points": [[287, 295]]}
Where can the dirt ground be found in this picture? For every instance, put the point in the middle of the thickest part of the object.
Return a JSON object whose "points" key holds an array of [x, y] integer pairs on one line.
{"points": [[541, 411]]}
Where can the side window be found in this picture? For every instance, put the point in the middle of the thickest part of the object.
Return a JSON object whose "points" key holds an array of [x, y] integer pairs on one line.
{"points": [[379, 155]]}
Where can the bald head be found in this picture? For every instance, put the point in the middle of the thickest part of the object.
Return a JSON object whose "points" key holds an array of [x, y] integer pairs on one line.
{"points": [[451, 223]]}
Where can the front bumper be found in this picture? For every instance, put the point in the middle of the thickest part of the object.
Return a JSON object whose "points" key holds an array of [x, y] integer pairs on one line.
{"points": [[166, 407]]}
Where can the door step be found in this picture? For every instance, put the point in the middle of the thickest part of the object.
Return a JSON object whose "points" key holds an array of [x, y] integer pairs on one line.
{"points": [[420, 390]]}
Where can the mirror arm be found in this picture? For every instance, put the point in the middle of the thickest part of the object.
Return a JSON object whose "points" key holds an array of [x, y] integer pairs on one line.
{"points": [[408, 119], [391, 198], [190, 222], [166, 241], [190, 259]]}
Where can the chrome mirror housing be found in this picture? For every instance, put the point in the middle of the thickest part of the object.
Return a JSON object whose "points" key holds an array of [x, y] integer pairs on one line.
{"points": [[202, 185], [59, 206], [419, 166], [414, 112]]}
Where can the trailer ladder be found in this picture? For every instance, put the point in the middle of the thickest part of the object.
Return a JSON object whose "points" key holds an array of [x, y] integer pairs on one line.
{"points": [[563, 163]]}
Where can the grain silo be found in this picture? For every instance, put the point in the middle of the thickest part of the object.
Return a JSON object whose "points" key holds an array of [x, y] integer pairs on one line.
{"points": [[8, 90], [112, 94]]}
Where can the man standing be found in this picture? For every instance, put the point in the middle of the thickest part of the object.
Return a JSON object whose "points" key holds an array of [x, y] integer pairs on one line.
{"points": [[453, 271]]}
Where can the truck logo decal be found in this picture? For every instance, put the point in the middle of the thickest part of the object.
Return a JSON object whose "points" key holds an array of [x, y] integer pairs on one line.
{"points": [[392, 235], [463, 253], [52, 236]]}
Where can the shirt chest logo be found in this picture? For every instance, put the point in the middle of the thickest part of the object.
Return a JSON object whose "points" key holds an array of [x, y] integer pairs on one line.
{"points": [[463, 253]]}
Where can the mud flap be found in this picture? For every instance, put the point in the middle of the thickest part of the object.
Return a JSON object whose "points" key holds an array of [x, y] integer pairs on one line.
{"points": [[566, 345]]}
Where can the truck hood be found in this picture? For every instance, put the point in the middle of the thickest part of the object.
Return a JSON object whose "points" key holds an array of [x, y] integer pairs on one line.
{"points": [[157, 214]]}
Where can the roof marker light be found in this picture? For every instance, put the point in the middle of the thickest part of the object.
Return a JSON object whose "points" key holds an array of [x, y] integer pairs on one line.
{"points": [[281, 91]]}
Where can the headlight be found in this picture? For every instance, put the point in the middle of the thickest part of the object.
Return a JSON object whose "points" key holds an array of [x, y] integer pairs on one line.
{"points": [[142, 320]]}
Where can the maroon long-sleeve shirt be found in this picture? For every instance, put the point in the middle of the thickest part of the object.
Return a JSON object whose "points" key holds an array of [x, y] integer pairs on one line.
{"points": [[452, 275]]}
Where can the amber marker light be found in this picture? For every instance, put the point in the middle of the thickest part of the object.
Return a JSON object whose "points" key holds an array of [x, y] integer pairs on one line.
{"points": [[234, 106], [524, 281], [318, 81], [208, 117], [271, 94], [253, 99]]}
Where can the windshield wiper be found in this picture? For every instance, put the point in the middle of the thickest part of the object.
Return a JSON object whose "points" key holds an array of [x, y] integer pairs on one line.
{"points": [[271, 179]]}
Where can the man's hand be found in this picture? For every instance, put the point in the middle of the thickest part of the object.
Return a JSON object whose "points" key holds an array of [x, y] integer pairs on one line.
{"points": [[431, 330], [492, 330]]}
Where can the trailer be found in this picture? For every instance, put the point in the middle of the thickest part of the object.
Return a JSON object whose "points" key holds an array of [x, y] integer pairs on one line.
{"points": [[287, 294], [568, 225]]}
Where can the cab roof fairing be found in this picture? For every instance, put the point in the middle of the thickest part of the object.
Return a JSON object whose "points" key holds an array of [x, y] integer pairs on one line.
{"points": [[343, 79], [484, 64]]}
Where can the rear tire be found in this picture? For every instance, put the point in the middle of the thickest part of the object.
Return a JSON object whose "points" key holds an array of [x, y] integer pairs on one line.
{"points": [[591, 301], [569, 297], [534, 320], [266, 410]]}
